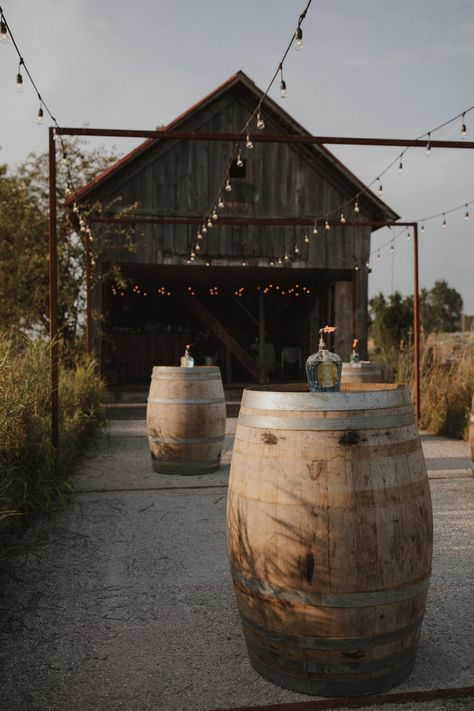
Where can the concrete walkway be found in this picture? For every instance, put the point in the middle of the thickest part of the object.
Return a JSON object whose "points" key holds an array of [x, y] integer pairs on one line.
{"points": [[128, 603]]}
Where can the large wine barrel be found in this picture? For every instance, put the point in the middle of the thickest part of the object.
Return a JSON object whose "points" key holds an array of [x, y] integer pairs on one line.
{"points": [[329, 536], [364, 371], [471, 435], [186, 419]]}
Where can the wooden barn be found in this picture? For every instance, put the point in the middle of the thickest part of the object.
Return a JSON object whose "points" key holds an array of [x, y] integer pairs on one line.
{"points": [[255, 295]]}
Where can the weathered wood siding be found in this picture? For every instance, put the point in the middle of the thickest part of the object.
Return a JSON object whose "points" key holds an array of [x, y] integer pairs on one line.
{"points": [[176, 178]]}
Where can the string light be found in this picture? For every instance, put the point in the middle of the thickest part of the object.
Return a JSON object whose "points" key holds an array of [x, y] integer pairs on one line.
{"points": [[380, 187], [297, 249], [466, 214], [463, 126], [214, 215], [248, 142], [199, 235], [392, 248], [378, 255], [299, 38], [400, 166], [228, 186], [444, 221], [356, 206], [209, 224], [315, 228], [197, 247], [306, 238], [19, 78], [428, 145], [286, 257], [356, 268], [327, 226], [3, 30], [239, 160], [283, 92], [220, 202], [204, 229], [260, 121], [342, 218], [39, 116]]}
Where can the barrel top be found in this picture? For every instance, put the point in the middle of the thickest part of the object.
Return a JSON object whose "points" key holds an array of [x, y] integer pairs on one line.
{"points": [[296, 396], [198, 372]]}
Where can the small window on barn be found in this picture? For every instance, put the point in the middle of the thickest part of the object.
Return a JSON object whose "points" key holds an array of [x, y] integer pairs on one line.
{"points": [[238, 171]]}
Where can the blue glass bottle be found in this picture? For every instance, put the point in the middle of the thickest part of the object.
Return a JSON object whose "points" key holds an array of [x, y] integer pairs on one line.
{"points": [[323, 369]]}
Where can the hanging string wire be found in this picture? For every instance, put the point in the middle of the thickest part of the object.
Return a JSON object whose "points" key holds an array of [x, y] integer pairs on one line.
{"points": [[83, 224], [253, 115]]}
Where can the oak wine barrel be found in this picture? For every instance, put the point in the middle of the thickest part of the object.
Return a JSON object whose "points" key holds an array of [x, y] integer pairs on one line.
{"points": [[364, 371], [186, 419], [329, 534]]}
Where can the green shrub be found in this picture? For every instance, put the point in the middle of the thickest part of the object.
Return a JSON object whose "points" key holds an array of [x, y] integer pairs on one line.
{"points": [[32, 479]]}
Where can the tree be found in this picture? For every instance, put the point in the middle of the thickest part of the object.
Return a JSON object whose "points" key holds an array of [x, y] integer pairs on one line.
{"points": [[391, 320], [441, 308], [24, 209]]}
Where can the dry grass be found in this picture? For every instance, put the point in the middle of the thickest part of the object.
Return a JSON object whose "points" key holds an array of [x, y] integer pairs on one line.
{"points": [[31, 480], [447, 382]]}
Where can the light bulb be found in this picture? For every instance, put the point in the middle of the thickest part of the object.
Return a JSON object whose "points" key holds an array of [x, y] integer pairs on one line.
{"points": [[327, 226], [367, 264], [356, 206], [272, 263], [306, 239], [380, 189], [286, 258], [39, 116], [204, 229], [422, 228], [392, 248], [239, 161], [220, 203], [298, 38], [214, 215], [297, 249], [466, 214], [3, 31], [428, 145], [193, 254], [19, 82], [463, 128], [356, 268], [197, 248], [208, 264], [378, 255], [444, 221], [199, 235], [315, 229], [279, 260], [283, 92], [248, 141], [400, 167], [244, 263], [342, 218], [228, 186], [260, 121], [209, 223]]}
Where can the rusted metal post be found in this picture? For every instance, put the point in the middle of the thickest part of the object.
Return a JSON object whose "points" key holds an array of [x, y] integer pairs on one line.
{"points": [[88, 260], [53, 292], [416, 322]]}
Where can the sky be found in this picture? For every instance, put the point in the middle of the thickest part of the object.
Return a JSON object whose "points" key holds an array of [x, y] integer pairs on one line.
{"points": [[370, 68]]}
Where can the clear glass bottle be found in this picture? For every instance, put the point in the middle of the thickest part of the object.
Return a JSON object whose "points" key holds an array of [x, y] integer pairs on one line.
{"points": [[323, 369], [355, 358], [186, 361]]}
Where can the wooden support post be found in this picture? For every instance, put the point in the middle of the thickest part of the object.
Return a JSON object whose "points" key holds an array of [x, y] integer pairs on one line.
{"points": [[88, 264], [416, 322], [261, 337], [53, 292]]}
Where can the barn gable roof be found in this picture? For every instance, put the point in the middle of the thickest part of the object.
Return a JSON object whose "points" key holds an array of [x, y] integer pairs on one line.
{"points": [[373, 206]]}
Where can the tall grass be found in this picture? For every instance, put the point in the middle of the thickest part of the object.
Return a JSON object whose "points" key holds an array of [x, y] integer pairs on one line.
{"points": [[32, 479], [446, 383]]}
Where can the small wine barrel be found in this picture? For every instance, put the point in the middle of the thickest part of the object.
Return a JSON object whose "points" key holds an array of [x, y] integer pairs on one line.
{"points": [[471, 436], [329, 534], [186, 419], [363, 372]]}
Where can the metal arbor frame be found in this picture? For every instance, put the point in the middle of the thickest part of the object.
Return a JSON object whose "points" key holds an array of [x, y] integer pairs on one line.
{"points": [[204, 136]]}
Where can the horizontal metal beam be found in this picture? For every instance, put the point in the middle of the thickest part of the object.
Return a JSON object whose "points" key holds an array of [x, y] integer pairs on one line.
{"points": [[259, 221], [261, 137]]}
